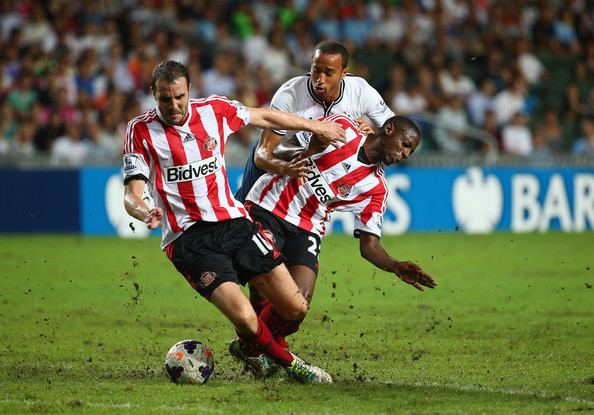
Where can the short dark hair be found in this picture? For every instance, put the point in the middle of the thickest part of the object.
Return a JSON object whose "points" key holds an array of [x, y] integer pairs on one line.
{"points": [[332, 47], [405, 126], [169, 71]]}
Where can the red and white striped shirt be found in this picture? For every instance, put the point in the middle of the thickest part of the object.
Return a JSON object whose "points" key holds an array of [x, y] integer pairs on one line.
{"points": [[184, 164], [337, 180]]}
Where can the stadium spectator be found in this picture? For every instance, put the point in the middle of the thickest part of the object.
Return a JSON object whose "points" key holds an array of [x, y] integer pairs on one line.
{"points": [[542, 149], [24, 96], [510, 101], [69, 149], [8, 127], [480, 102], [411, 101], [517, 137], [255, 46], [218, 80], [22, 145], [212, 236], [529, 65], [36, 28], [116, 68], [584, 146], [552, 130], [490, 126], [453, 81], [450, 126], [277, 59]]}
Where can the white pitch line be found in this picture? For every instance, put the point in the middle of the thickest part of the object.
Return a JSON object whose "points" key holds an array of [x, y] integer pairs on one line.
{"points": [[476, 388], [112, 405]]}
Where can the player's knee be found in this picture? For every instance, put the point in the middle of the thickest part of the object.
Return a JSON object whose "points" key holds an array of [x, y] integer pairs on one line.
{"points": [[296, 311], [246, 321]]}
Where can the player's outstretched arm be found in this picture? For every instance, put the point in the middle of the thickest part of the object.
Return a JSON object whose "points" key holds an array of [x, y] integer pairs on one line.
{"points": [[409, 272], [138, 208], [329, 131]]}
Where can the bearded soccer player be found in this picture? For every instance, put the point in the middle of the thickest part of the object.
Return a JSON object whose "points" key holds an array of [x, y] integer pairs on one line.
{"points": [[178, 148], [348, 179]]}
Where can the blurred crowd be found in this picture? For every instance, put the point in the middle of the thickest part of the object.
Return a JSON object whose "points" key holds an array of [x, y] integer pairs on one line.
{"points": [[73, 73]]}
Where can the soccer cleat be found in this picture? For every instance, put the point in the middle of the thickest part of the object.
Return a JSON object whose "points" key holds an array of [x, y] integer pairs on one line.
{"points": [[261, 366], [305, 373]]}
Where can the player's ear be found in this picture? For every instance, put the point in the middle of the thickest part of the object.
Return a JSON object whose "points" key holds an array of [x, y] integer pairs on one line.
{"points": [[344, 72], [389, 128]]}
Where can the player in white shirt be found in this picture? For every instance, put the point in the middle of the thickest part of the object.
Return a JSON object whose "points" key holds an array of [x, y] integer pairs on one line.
{"points": [[178, 149], [327, 89], [294, 211]]}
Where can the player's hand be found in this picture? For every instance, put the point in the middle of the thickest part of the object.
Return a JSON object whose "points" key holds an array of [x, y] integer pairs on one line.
{"points": [[298, 167], [412, 274], [154, 216], [330, 132], [364, 128], [316, 145]]}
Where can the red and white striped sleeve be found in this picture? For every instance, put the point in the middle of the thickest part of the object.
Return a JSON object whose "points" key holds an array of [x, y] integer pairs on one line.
{"points": [[234, 113], [135, 153]]}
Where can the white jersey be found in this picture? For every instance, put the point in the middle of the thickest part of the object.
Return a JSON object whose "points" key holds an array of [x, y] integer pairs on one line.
{"points": [[357, 98], [184, 165], [338, 180]]}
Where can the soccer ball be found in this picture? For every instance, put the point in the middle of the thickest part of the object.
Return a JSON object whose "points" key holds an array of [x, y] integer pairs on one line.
{"points": [[189, 362]]}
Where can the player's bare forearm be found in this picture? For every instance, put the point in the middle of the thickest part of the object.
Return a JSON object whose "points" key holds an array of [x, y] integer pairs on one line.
{"points": [[265, 157], [409, 272], [374, 252], [278, 120], [277, 156], [136, 206]]}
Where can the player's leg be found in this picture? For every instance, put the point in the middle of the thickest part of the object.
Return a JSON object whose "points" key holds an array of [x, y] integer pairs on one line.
{"points": [[251, 173], [262, 266], [204, 256], [272, 229], [305, 278], [281, 327], [257, 299], [301, 249], [231, 301], [282, 292]]}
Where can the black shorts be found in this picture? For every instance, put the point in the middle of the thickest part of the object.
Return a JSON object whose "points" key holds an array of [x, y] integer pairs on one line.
{"points": [[210, 253], [298, 246]]}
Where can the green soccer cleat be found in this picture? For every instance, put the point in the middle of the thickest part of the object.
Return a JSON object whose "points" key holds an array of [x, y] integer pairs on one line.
{"points": [[305, 373], [261, 366]]}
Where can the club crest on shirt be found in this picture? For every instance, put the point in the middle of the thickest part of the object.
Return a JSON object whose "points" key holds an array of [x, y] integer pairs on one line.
{"points": [[344, 189], [207, 278], [210, 144], [269, 235]]}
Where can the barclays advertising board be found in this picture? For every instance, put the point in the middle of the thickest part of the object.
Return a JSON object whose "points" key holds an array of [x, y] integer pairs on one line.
{"points": [[473, 200]]}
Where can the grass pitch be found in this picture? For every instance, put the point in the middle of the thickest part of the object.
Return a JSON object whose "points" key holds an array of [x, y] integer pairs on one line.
{"points": [[85, 324]]}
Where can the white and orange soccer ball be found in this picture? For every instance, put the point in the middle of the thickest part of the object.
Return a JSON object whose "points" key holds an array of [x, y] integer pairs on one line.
{"points": [[189, 362]]}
